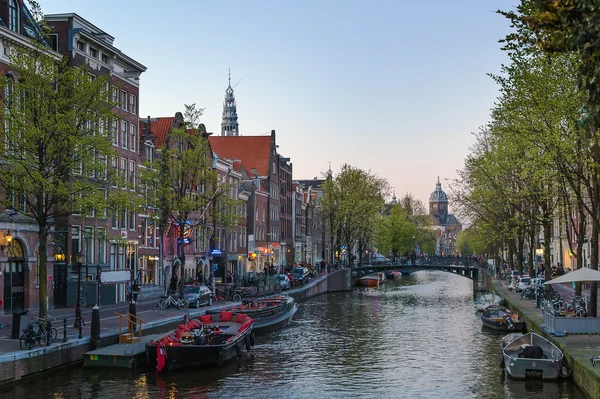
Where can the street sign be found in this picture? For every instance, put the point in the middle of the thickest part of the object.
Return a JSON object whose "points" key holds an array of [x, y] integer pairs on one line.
{"points": [[216, 252], [115, 276]]}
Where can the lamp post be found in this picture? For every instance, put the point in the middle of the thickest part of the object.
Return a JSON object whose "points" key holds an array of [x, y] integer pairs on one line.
{"points": [[78, 264]]}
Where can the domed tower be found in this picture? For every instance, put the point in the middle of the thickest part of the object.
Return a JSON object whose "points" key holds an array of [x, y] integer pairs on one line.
{"points": [[229, 125], [438, 204]]}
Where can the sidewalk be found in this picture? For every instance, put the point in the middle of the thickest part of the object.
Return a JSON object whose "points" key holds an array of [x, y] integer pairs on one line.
{"points": [[578, 349], [109, 321]]}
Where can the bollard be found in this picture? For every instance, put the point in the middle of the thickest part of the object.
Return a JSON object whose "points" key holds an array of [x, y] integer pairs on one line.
{"points": [[186, 318], [64, 330], [95, 331], [80, 336]]}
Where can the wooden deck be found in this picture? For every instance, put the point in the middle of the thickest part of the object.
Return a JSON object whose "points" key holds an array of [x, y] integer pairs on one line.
{"points": [[126, 356]]}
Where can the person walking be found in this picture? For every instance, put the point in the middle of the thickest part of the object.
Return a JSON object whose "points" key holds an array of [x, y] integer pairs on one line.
{"points": [[135, 290], [173, 284]]}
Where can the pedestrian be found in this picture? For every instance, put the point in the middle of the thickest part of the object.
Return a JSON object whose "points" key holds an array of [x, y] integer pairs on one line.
{"points": [[135, 290], [173, 284]]}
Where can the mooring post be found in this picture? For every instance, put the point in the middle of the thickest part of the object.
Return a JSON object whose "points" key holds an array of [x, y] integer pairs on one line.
{"points": [[64, 330], [95, 333]]}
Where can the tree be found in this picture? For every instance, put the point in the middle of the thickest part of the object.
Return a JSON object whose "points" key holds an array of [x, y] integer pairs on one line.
{"points": [[353, 201], [55, 139], [471, 241], [185, 186], [394, 233]]}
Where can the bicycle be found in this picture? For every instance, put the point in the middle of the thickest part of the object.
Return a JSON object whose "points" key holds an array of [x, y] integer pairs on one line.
{"points": [[46, 324], [167, 301], [35, 332]]}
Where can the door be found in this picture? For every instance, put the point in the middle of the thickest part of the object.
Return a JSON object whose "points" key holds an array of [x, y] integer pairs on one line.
{"points": [[60, 285], [14, 287]]}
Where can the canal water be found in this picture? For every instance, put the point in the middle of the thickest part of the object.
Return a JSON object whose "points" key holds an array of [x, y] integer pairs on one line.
{"points": [[418, 337]]}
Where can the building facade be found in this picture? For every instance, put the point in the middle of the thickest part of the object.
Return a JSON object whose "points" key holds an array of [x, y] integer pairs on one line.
{"points": [[445, 225]]}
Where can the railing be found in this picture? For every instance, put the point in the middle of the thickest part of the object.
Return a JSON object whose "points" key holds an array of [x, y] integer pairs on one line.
{"points": [[134, 324]]}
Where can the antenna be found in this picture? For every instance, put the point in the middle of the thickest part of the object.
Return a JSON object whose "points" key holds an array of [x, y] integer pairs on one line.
{"points": [[237, 83]]}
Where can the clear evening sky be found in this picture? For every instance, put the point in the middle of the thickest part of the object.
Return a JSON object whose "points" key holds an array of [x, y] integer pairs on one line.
{"points": [[392, 86]]}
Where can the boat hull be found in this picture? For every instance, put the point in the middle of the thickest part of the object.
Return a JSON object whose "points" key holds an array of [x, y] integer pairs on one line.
{"points": [[531, 356], [368, 282], [502, 325], [275, 322], [178, 357]]}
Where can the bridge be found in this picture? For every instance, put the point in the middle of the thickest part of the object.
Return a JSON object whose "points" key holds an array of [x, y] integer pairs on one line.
{"points": [[466, 269]]}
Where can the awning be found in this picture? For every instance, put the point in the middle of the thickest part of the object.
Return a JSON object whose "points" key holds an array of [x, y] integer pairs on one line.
{"points": [[584, 274]]}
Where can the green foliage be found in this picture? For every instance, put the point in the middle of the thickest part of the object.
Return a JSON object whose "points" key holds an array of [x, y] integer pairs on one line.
{"points": [[352, 201], [471, 241], [394, 233]]}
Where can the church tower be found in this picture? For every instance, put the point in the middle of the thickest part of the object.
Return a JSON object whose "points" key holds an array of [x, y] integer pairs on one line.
{"points": [[229, 125], [438, 204]]}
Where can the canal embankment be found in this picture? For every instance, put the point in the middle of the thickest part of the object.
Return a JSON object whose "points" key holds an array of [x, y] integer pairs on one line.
{"points": [[577, 348], [17, 364]]}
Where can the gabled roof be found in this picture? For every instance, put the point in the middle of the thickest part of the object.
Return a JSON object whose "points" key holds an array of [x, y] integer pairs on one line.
{"points": [[160, 128], [253, 151]]}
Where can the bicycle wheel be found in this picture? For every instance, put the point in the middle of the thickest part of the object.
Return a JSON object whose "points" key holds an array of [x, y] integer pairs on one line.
{"points": [[237, 298], [183, 304], [163, 303], [54, 333], [25, 342]]}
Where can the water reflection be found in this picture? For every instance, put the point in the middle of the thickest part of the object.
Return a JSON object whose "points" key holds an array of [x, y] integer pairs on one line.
{"points": [[416, 337]]}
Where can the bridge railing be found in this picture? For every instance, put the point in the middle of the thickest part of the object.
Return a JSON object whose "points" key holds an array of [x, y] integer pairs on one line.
{"points": [[437, 261]]}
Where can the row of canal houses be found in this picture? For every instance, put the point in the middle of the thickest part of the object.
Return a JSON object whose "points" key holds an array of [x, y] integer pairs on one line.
{"points": [[280, 223]]}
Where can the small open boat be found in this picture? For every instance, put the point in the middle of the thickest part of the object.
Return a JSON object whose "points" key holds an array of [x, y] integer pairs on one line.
{"points": [[487, 300], [502, 319], [530, 355], [269, 313], [393, 275], [369, 281], [213, 339], [405, 272]]}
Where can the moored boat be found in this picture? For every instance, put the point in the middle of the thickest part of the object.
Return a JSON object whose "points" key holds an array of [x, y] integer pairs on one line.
{"points": [[486, 300], [369, 281], [269, 313], [502, 319], [393, 275], [530, 355], [405, 272], [212, 339]]}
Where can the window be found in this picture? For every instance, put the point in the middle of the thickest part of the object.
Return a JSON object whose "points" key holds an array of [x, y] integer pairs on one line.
{"points": [[101, 245], [75, 241], [105, 58], [123, 134], [124, 100], [104, 193], [124, 219], [123, 172], [132, 104], [149, 152], [132, 220], [80, 46], [218, 238], [115, 95], [13, 16], [115, 220], [93, 52], [115, 132], [132, 175], [133, 137], [115, 166], [89, 244]]}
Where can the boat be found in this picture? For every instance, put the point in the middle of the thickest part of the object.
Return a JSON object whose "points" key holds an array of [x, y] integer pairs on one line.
{"points": [[381, 277], [269, 313], [532, 356], [487, 300], [211, 339], [502, 319], [405, 272], [369, 281], [393, 275]]}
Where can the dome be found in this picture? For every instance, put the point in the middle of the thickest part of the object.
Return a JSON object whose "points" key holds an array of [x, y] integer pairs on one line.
{"points": [[438, 195]]}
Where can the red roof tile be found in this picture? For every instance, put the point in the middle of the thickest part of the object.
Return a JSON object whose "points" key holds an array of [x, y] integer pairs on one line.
{"points": [[253, 151], [160, 128]]}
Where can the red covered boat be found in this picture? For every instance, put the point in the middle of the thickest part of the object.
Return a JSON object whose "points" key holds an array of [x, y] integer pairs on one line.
{"points": [[210, 339]]}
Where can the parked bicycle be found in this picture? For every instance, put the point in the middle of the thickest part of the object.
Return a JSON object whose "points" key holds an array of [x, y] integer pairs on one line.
{"points": [[35, 332], [227, 295], [170, 300]]}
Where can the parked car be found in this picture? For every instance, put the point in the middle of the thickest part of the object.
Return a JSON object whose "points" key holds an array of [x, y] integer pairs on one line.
{"points": [[284, 282], [522, 283], [198, 295], [301, 274], [537, 282]]}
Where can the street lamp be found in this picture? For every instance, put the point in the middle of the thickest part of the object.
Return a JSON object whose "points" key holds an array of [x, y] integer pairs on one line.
{"points": [[413, 256], [78, 321]]}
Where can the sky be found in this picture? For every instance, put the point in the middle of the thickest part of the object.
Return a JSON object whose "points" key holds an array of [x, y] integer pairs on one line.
{"points": [[395, 87]]}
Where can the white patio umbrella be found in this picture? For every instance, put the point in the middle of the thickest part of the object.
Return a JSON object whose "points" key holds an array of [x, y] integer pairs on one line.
{"points": [[584, 274]]}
